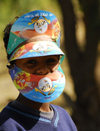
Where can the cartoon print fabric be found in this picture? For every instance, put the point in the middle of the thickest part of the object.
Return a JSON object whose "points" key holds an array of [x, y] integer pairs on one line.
{"points": [[39, 88], [34, 49], [32, 24], [36, 34]]}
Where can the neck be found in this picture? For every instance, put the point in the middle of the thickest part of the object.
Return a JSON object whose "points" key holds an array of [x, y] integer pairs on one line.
{"points": [[44, 107]]}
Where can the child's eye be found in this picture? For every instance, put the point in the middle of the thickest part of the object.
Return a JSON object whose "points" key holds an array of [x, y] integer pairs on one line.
{"points": [[31, 63], [51, 61]]}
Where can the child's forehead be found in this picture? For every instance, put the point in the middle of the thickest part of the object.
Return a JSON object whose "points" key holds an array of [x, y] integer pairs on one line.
{"points": [[40, 58]]}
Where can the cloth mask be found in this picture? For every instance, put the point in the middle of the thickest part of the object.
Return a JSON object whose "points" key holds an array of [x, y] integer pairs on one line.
{"points": [[39, 88]]}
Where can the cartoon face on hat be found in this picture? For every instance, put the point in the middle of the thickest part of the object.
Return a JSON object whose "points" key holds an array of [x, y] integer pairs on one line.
{"points": [[41, 26], [37, 23]]}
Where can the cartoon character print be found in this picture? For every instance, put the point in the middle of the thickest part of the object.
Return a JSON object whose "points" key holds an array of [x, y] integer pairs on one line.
{"points": [[40, 46], [22, 81], [19, 52], [43, 46], [56, 31], [26, 82], [36, 19], [45, 84], [33, 24], [22, 50], [41, 26]]}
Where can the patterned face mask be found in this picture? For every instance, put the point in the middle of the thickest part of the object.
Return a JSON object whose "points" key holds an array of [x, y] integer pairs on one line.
{"points": [[39, 88]]}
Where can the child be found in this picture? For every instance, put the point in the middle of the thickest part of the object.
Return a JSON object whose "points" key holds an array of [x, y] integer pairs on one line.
{"points": [[34, 57]]}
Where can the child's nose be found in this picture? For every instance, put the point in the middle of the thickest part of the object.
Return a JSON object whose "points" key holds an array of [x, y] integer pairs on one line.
{"points": [[42, 70]]}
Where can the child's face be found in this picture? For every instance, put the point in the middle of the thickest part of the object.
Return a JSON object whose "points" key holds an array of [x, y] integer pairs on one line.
{"points": [[39, 65]]}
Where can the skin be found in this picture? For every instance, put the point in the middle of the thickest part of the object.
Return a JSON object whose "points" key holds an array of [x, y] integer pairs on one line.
{"points": [[40, 66]]}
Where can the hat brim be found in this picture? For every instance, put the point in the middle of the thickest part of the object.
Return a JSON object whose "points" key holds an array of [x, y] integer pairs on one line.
{"points": [[36, 49]]}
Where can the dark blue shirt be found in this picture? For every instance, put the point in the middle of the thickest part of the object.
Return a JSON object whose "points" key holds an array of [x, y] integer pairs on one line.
{"points": [[19, 119]]}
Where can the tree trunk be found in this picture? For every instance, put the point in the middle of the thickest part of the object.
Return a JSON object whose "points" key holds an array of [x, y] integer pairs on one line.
{"points": [[86, 112]]}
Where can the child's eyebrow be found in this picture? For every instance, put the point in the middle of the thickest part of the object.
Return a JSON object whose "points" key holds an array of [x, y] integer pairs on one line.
{"points": [[33, 61]]}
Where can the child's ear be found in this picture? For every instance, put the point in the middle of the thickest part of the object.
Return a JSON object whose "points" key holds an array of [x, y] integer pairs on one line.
{"points": [[9, 66]]}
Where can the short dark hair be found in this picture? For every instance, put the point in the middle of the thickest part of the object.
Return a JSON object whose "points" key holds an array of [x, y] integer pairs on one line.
{"points": [[6, 36]]}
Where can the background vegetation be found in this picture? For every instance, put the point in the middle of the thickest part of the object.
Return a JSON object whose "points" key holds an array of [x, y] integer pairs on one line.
{"points": [[80, 25]]}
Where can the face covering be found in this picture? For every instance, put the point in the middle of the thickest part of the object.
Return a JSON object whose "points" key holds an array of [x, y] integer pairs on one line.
{"points": [[38, 88]]}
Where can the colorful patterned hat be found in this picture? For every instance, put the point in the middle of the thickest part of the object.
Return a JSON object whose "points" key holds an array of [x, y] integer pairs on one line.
{"points": [[34, 34]]}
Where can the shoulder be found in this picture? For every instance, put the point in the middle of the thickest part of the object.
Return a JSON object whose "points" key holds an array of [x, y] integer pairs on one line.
{"points": [[60, 109], [4, 114], [64, 117], [7, 125], [8, 120], [63, 114], [5, 121], [10, 125]]}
